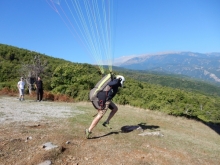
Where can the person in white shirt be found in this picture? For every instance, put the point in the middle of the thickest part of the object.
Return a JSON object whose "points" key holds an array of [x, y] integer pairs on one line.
{"points": [[21, 85]]}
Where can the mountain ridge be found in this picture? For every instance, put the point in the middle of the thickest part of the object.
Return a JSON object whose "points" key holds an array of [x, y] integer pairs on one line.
{"points": [[204, 66]]}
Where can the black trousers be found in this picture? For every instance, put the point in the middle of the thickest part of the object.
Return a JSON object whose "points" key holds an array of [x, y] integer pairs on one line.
{"points": [[39, 94]]}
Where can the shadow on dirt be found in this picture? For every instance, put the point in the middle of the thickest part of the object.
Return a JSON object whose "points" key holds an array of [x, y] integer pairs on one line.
{"points": [[141, 126], [130, 128], [110, 133]]}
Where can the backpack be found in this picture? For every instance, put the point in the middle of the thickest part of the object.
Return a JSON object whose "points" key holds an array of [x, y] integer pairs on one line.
{"points": [[98, 95]]}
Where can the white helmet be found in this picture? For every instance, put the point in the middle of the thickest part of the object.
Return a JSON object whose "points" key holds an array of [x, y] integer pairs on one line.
{"points": [[121, 79]]}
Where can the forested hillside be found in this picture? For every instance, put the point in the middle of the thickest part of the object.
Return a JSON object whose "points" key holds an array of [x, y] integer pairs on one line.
{"points": [[75, 80], [172, 80]]}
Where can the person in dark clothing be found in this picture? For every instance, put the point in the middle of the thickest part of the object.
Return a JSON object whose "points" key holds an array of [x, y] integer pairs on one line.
{"points": [[39, 87], [111, 89]]}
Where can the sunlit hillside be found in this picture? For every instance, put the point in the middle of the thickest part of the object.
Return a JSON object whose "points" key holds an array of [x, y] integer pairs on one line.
{"points": [[166, 94]]}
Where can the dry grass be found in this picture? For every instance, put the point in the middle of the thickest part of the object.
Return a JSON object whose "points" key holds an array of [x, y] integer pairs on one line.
{"points": [[184, 142]]}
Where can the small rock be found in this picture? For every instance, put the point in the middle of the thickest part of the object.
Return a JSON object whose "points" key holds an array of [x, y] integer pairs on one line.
{"points": [[157, 133], [47, 162], [29, 138], [49, 145]]}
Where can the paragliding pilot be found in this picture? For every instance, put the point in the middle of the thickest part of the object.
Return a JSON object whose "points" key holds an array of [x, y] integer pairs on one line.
{"points": [[101, 97]]}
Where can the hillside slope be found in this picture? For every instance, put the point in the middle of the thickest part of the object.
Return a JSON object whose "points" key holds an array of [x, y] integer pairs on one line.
{"points": [[75, 80]]}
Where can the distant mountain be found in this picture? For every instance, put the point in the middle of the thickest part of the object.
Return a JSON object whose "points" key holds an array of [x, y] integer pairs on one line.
{"points": [[204, 66]]}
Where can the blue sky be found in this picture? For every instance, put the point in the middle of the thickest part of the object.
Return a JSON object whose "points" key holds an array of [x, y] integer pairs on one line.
{"points": [[140, 27]]}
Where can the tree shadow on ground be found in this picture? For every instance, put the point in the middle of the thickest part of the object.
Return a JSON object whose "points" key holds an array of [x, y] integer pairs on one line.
{"points": [[215, 127]]}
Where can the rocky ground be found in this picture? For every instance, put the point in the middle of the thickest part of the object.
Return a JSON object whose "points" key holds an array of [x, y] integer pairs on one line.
{"points": [[28, 127]]}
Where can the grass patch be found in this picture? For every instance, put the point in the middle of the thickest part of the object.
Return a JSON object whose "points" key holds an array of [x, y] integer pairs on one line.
{"points": [[184, 140]]}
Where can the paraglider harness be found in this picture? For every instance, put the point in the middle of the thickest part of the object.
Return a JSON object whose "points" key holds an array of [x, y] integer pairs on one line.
{"points": [[99, 94]]}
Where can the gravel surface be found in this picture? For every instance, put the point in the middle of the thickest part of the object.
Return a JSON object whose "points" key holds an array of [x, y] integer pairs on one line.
{"points": [[13, 110]]}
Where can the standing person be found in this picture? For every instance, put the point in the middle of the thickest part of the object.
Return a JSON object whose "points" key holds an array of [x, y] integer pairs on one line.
{"points": [[39, 87], [21, 85], [111, 89]]}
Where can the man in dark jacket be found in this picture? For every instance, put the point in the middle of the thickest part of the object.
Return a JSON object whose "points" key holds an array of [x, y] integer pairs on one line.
{"points": [[111, 89], [39, 87]]}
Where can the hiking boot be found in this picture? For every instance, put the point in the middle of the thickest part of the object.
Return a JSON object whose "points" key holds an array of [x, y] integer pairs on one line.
{"points": [[88, 134], [106, 124]]}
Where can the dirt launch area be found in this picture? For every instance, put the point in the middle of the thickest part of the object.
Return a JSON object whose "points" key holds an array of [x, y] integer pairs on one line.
{"points": [[33, 133]]}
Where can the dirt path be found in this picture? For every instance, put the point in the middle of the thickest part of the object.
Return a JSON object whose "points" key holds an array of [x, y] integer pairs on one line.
{"points": [[13, 110]]}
